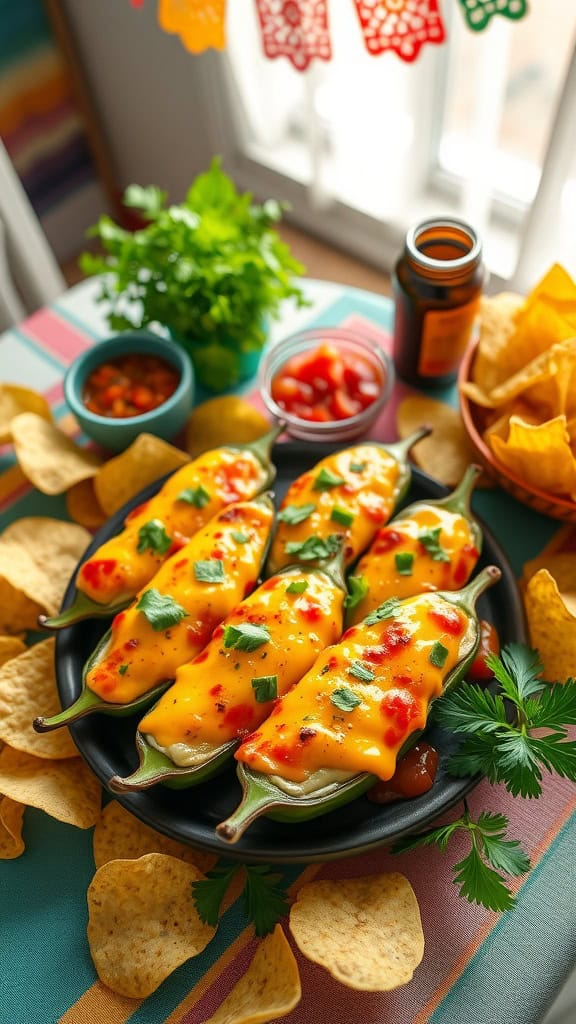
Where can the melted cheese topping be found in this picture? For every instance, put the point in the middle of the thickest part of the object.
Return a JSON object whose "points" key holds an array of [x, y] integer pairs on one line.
{"points": [[380, 570], [310, 731], [138, 657], [369, 493], [117, 571], [213, 700]]}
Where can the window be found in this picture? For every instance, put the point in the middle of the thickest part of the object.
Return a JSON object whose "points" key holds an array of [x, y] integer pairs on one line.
{"points": [[363, 146]]}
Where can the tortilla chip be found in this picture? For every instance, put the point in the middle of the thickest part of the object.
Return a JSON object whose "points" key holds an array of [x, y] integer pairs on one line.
{"points": [[10, 647], [120, 836], [83, 506], [540, 455], [15, 400], [227, 419], [143, 923], [493, 361], [366, 932], [49, 459], [11, 821], [547, 384], [268, 989], [38, 556], [27, 689], [66, 790], [447, 453], [562, 568], [146, 460], [18, 613], [552, 627]]}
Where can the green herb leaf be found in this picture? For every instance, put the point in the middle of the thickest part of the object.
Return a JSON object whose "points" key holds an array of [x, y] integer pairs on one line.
{"points": [[357, 590], [297, 587], [160, 610], [514, 751], [230, 270], [264, 901], [430, 539], [357, 467], [209, 571], [312, 548], [265, 688], [153, 537], [197, 496], [122, 669], [341, 516], [326, 480], [239, 537], [345, 699], [387, 610], [479, 873], [438, 655], [404, 562], [246, 636], [362, 672], [294, 514]]}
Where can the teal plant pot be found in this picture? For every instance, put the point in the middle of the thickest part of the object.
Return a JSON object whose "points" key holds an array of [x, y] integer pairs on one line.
{"points": [[248, 362], [166, 421]]}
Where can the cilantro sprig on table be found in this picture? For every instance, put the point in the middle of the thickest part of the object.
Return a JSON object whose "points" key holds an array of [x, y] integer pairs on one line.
{"points": [[264, 900], [479, 873], [511, 737], [512, 748]]}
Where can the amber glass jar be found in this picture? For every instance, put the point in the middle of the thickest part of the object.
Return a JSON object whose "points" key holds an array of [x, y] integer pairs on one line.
{"points": [[437, 287]]}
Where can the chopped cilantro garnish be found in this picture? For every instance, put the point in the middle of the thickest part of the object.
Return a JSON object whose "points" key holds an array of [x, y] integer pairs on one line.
{"points": [[326, 479], [197, 496], [209, 571], [294, 514], [153, 537], [297, 587], [239, 537], [438, 655], [387, 610], [404, 563], [161, 610], [361, 671], [357, 590], [341, 516], [345, 699], [312, 548], [357, 467], [246, 636], [265, 688], [123, 669], [430, 539]]}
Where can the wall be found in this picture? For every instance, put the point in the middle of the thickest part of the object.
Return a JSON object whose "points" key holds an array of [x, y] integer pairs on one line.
{"points": [[149, 93]]}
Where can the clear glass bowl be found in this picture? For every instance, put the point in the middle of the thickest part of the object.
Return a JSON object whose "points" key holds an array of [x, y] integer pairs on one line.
{"points": [[347, 342]]}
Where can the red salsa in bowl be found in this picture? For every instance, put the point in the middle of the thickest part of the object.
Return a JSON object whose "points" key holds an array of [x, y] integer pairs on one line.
{"points": [[326, 384], [129, 385]]}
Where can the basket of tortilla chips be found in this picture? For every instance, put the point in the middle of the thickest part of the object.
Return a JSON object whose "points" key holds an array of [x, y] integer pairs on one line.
{"points": [[518, 394]]}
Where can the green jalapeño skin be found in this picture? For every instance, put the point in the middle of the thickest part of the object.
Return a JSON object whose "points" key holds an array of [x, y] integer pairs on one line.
{"points": [[352, 492], [172, 619], [361, 706], [268, 642], [111, 577], [429, 545]]}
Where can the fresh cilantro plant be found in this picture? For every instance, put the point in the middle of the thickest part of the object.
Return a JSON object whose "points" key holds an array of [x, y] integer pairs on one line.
{"points": [[210, 269]]}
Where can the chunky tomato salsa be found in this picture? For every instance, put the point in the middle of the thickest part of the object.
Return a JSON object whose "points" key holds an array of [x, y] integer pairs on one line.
{"points": [[326, 384], [129, 385]]}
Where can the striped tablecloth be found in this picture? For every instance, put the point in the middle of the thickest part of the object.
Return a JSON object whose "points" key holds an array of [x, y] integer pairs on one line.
{"points": [[477, 967]]}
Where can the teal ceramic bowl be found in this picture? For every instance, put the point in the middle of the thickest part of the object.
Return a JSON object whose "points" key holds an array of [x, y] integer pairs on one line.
{"points": [[166, 421]]}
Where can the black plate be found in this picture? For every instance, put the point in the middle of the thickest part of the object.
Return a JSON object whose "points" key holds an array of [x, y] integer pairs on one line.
{"points": [[190, 815]]}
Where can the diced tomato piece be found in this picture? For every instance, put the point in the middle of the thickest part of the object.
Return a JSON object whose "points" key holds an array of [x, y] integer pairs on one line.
{"points": [[342, 406]]}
